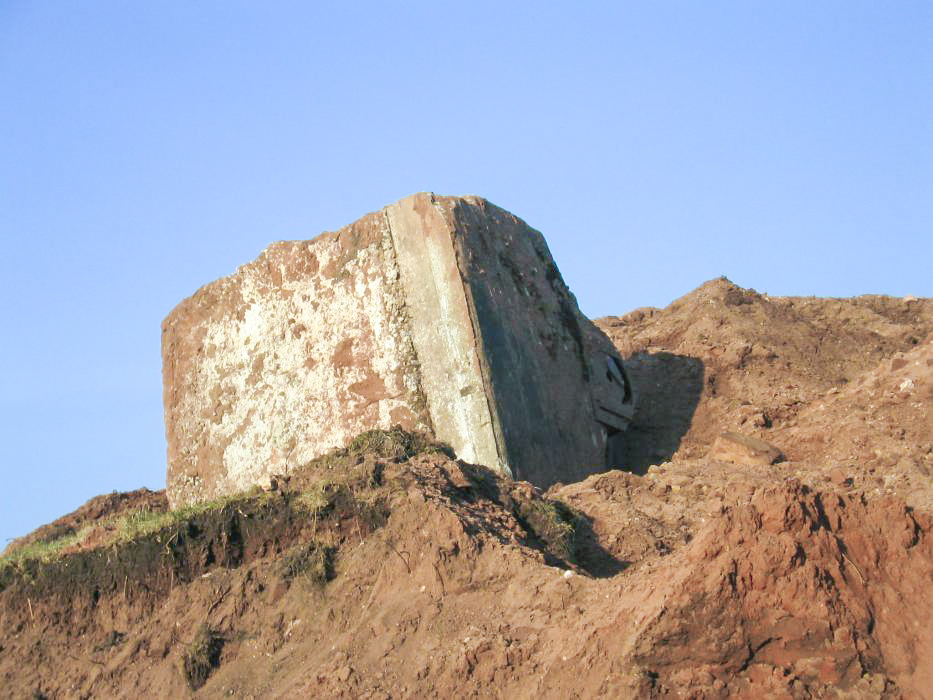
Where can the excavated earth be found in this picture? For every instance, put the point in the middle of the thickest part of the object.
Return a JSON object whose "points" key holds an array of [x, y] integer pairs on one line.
{"points": [[393, 570]]}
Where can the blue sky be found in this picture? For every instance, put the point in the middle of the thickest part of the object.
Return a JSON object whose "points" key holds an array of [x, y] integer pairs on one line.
{"points": [[147, 148]]}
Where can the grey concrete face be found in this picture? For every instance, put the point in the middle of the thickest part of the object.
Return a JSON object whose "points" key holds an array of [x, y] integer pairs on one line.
{"points": [[547, 367], [442, 330], [440, 314]]}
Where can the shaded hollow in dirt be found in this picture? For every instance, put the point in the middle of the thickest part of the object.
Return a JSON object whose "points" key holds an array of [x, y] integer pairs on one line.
{"points": [[668, 387]]}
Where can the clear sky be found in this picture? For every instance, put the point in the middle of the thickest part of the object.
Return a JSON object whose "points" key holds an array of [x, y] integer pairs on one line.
{"points": [[147, 148]]}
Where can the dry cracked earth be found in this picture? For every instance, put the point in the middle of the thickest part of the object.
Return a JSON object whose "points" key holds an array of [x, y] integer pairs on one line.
{"points": [[703, 569]]}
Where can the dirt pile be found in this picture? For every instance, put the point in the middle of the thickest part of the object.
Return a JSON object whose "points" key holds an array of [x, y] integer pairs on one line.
{"points": [[726, 358], [392, 570], [431, 577], [751, 584]]}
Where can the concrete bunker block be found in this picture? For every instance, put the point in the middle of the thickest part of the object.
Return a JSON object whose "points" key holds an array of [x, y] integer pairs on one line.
{"points": [[440, 314]]}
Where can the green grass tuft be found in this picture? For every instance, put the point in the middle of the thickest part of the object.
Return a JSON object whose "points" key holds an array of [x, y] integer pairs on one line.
{"points": [[202, 657], [127, 527], [311, 563], [314, 500], [341, 492], [395, 444], [554, 523], [42, 551]]}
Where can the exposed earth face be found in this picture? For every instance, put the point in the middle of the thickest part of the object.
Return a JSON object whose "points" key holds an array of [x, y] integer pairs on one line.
{"points": [[392, 570]]}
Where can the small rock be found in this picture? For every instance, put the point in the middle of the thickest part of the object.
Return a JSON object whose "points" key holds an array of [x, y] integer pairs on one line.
{"points": [[761, 420], [743, 449], [343, 674], [458, 478], [276, 591]]}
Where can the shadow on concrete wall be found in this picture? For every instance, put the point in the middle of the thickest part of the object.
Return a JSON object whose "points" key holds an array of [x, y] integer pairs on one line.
{"points": [[667, 390]]}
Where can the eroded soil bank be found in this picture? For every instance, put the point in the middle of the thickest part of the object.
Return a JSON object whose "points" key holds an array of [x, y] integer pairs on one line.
{"points": [[392, 570]]}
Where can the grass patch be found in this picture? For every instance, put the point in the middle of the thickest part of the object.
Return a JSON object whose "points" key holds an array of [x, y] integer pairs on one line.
{"points": [[360, 498], [314, 500], [43, 551], [143, 522], [346, 490], [131, 526], [311, 563], [125, 527], [202, 657], [395, 444], [554, 523]]}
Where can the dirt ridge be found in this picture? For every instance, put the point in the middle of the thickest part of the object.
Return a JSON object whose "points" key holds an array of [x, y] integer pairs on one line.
{"points": [[393, 570]]}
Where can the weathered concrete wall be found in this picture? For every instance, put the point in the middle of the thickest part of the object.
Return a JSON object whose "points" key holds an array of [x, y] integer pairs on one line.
{"points": [[288, 358], [439, 314], [442, 331], [546, 362]]}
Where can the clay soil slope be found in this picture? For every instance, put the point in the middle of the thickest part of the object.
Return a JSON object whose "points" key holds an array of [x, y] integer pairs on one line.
{"points": [[393, 570]]}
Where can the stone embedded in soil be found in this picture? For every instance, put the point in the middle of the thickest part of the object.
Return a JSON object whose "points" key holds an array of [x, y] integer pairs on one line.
{"points": [[744, 449], [445, 315]]}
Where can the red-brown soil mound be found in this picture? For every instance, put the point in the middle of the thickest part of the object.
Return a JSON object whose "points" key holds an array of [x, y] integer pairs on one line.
{"points": [[382, 573]]}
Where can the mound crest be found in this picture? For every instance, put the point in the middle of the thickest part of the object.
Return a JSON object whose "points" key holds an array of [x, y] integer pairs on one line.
{"points": [[390, 568]]}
